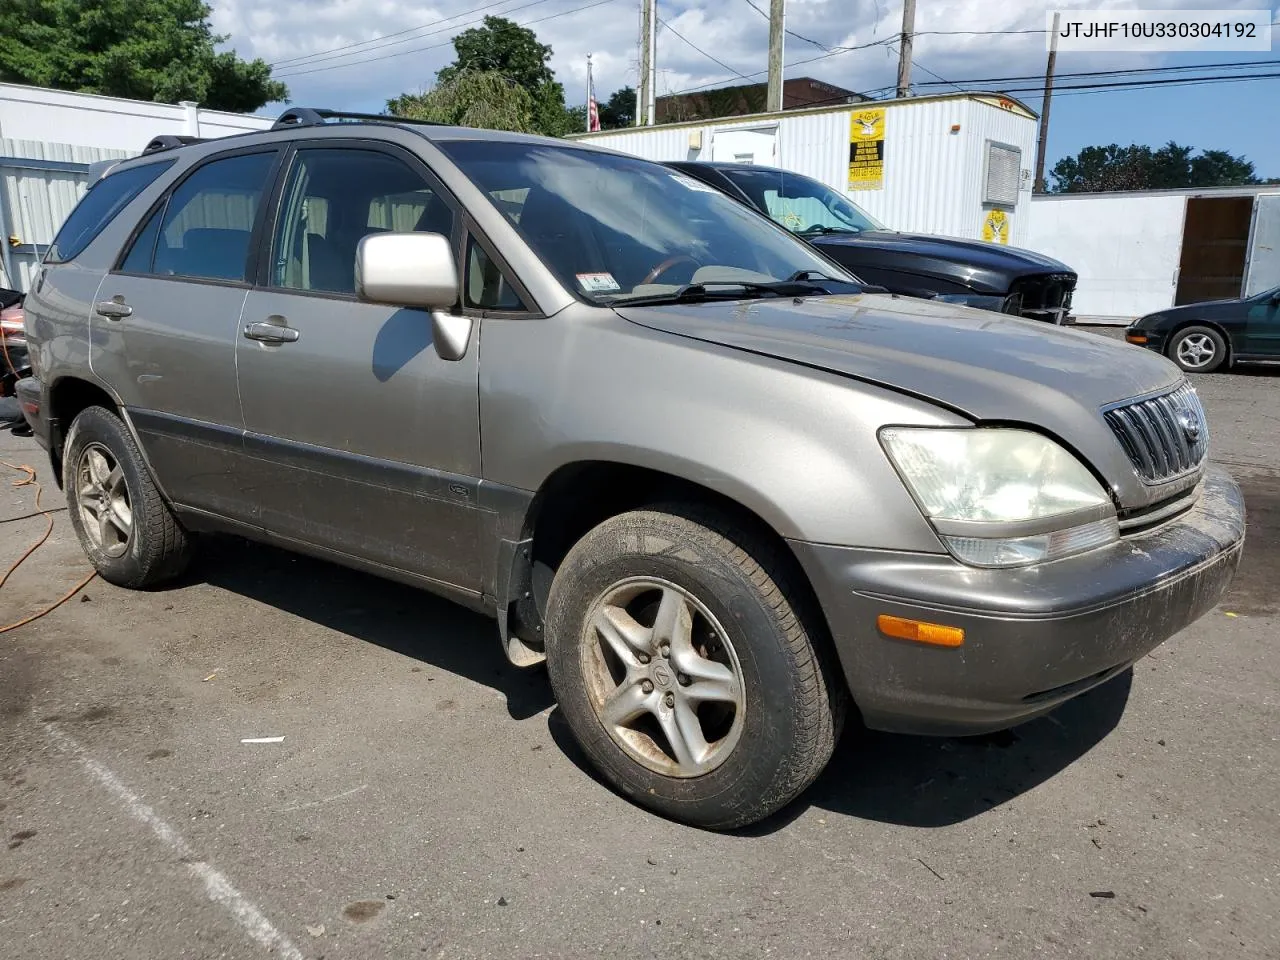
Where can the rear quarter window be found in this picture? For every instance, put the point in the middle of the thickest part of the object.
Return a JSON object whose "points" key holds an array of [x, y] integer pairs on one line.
{"points": [[99, 206]]}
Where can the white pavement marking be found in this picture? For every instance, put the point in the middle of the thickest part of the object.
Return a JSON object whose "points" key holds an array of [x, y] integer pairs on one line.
{"points": [[218, 888]]}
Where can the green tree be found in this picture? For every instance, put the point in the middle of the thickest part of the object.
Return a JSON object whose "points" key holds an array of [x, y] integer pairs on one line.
{"points": [[512, 51], [161, 50], [619, 110], [473, 98], [1103, 169]]}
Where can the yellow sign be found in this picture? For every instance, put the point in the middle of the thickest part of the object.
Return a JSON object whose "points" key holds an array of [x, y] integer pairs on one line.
{"points": [[995, 227], [866, 149]]}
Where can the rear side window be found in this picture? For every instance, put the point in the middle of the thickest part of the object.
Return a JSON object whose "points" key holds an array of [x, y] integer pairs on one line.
{"points": [[104, 200], [208, 222]]}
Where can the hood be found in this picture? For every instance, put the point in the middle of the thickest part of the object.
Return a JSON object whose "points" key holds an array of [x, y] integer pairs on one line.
{"points": [[1201, 308], [981, 266], [991, 367]]}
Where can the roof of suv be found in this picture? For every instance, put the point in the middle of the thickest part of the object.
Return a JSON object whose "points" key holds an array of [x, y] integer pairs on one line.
{"points": [[334, 123]]}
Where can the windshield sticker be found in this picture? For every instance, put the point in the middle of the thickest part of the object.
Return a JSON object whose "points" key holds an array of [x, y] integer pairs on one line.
{"points": [[598, 283], [693, 184]]}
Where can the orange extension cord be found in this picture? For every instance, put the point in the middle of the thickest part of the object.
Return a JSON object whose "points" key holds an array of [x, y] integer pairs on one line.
{"points": [[30, 480]]}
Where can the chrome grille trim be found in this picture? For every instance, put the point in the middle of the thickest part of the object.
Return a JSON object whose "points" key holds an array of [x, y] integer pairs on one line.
{"points": [[1153, 433]]}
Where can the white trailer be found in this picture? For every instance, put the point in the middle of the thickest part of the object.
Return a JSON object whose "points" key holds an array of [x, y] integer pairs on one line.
{"points": [[956, 164]]}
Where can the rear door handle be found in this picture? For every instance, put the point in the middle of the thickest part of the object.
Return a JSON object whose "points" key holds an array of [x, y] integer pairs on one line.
{"points": [[115, 309], [265, 332]]}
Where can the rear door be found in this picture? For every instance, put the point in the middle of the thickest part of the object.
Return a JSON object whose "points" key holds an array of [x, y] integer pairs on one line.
{"points": [[363, 440], [166, 324]]}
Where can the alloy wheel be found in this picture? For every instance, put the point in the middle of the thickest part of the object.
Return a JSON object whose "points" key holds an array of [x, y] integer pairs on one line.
{"points": [[1196, 350], [663, 677], [103, 499]]}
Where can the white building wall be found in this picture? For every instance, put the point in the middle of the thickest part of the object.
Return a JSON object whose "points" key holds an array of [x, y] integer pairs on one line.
{"points": [[82, 119], [932, 176], [1126, 250]]}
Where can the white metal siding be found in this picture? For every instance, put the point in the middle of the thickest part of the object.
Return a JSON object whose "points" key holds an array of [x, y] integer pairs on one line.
{"points": [[58, 116], [1125, 249], [986, 122], [932, 177], [924, 190], [654, 143], [35, 202]]}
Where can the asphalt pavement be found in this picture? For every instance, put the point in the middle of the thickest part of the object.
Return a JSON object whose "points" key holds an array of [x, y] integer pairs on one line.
{"points": [[426, 799]]}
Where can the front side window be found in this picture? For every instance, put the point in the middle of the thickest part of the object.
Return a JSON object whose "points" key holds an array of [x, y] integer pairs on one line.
{"points": [[104, 200], [801, 204], [487, 286], [333, 199], [613, 227], [208, 222]]}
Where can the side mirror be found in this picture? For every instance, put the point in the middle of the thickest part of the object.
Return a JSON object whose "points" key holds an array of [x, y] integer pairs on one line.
{"points": [[415, 270], [407, 270]]}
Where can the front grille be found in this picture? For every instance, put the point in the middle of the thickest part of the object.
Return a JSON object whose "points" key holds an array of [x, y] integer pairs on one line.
{"points": [[1165, 436], [1045, 297]]}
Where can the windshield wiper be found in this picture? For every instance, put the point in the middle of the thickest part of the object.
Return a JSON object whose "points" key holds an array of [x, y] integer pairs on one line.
{"points": [[794, 286], [826, 230]]}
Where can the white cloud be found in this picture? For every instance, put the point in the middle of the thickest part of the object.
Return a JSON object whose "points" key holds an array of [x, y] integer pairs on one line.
{"points": [[402, 45]]}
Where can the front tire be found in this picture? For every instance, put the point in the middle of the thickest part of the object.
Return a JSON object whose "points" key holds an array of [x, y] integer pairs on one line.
{"points": [[125, 528], [689, 667], [1198, 349]]}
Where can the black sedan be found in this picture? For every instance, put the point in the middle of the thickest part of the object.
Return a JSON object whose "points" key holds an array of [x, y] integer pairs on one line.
{"points": [[1202, 337], [988, 276]]}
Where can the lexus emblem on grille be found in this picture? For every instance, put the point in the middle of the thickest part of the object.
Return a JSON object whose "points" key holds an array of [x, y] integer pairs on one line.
{"points": [[1191, 426]]}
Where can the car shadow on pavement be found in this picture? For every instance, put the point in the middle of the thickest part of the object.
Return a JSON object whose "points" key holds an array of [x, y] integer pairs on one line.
{"points": [[1248, 368], [393, 616], [934, 781]]}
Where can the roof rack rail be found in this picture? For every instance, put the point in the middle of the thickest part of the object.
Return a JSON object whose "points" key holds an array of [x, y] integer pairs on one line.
{"points": [[314, 116], [168, 141]]}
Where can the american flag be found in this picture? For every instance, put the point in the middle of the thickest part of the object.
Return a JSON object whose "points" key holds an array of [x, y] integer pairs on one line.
{"points": [[593, 108]]}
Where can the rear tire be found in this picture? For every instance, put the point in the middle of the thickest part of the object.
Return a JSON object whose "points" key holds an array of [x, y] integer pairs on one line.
{"points": [[1198, 349], [736, 699], [126, 529]]}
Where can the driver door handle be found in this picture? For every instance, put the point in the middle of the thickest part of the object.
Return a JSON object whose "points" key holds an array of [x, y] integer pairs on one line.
{"points": [[115, 309], [266, 332]]}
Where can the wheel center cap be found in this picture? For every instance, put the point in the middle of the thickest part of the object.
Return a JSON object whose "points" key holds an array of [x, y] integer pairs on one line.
{"points": [[662, 676]]}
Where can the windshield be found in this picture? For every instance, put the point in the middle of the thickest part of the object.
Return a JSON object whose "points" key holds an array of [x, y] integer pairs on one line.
{"points": [[614, 228], [801, 204]]}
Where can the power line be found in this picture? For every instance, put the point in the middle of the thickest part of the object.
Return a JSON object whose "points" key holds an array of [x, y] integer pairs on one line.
{"points": [[1107, 73], [790, 33], [797, 63], [377, 42], [1167, 81], [698, 48], [435, 46]]}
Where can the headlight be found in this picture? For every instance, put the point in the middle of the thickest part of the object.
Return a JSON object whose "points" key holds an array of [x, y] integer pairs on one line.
{"points": [[1001, 497], [976, 300]]}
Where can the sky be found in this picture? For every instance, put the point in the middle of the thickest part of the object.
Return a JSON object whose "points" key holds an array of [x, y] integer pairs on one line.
{"points": [[356, 54]]}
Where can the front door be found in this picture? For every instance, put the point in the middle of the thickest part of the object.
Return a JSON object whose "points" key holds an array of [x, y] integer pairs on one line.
{"points": [[1262, 325], [362, 439], [166, 324]]}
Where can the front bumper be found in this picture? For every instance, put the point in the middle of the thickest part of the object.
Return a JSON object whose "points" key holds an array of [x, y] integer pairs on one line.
{"points": [[1034, 636]]}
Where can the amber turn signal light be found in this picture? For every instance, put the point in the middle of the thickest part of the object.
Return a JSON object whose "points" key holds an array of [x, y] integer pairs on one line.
{"points": [[1138, 338], [919, 631]]}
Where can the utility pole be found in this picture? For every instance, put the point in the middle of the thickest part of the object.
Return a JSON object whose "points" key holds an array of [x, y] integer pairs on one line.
{"points": [[904, 48], [646, 64], [777, 37], [653, 62], [1043, 140]]}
